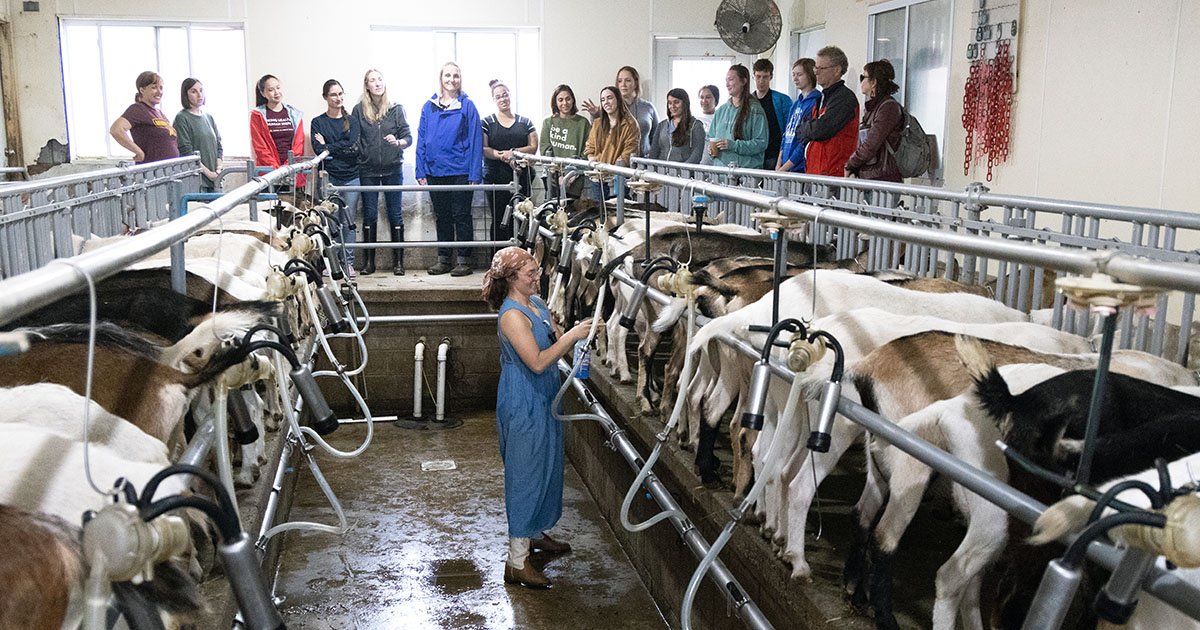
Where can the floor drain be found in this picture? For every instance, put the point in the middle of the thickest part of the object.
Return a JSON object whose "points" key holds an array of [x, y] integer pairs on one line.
{"points": [[456, 576]]}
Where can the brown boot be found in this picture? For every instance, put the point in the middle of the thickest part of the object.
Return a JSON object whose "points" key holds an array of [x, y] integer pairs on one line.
{"points": [[548, 544], [528, 576]]}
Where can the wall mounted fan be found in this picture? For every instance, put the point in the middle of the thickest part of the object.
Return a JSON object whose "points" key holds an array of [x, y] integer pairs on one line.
{"points": [[749, 26]]}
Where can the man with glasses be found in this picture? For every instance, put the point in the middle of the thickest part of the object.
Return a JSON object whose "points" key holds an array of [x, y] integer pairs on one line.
{"points": [[832, 132]]}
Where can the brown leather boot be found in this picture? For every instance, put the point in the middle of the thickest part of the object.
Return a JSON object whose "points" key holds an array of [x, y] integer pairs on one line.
{"points": [[528, 576], [548, 544]]}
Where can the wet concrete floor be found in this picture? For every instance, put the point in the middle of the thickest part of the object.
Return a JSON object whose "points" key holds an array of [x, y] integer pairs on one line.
{"points": [[426, 549]]}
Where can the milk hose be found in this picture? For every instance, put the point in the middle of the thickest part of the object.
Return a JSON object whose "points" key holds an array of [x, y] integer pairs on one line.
{"points": [[680, 400], [769, 467]]}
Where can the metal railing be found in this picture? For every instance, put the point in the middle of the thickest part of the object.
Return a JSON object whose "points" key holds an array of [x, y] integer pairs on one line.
{"points": [[38, 218], [27, 292], [1122, 265], [1096, 230]]}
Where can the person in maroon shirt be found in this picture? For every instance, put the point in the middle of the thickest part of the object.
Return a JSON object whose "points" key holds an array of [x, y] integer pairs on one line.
{"points": [[142, 128], [275, 127]]}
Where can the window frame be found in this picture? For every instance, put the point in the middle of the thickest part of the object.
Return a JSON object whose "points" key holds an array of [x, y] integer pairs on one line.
{"points": [[938, 174], [156, 24]]}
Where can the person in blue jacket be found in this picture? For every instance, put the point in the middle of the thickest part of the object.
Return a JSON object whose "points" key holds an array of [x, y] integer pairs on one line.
{"points": [[337, 131], [450, 151], [791, 151]]}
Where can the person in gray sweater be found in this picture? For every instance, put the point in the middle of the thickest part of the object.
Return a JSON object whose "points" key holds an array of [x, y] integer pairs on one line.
{"points": [[196, 132], [630, 85], [679, 137]]}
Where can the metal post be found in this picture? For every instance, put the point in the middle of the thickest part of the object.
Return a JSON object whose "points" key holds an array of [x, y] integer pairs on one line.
{"points": [[250, 175], [177, 209]]}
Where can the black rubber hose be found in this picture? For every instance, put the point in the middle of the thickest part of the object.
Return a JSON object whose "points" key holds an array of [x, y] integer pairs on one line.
{"points": [[839, 355], [1075, 554], [1106, 499]]}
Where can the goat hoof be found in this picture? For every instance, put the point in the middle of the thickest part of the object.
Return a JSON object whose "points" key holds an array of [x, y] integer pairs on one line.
{"points": [[711, 480], [885, 621], [860, 602], [800, 568]]}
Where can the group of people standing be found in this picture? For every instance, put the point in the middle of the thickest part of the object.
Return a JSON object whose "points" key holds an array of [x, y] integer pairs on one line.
{"points": [[819, 132], [366, 148]]}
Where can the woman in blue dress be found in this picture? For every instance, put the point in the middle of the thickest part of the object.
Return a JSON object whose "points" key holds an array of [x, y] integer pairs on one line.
{"points": [[531, 440]]}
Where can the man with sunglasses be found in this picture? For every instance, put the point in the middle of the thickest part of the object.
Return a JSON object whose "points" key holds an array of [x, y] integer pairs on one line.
{"points": [[832, 131]]}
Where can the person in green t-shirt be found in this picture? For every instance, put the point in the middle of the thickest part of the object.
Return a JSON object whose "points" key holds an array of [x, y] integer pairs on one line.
{"points": [[564, 134]]}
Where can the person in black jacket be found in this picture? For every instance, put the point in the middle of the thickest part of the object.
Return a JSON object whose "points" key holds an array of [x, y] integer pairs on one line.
{"points": [[337, 131], [385, 135]]}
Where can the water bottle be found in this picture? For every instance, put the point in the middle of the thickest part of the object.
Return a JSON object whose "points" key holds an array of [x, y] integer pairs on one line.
{"points": [[583, 359]]}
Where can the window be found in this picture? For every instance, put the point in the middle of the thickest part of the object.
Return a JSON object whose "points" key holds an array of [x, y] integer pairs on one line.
{"points": [[411, 58], [693, 73], [102, 59], [806, 43], [915, 36], [688, 63]]}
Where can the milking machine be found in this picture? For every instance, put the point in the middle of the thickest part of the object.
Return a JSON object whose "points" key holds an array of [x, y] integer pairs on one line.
{"points": [[124, 541], [1115, 603], [679, 283], [1167, 529]]}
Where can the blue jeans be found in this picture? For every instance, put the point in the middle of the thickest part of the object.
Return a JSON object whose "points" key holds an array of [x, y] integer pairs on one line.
{"points": [[602, 191], [391, 199], [347, 224], [453, 213]]}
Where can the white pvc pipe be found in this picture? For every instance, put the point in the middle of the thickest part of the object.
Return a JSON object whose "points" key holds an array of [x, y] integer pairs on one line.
{"points": [[418, 366], [443, 349]]}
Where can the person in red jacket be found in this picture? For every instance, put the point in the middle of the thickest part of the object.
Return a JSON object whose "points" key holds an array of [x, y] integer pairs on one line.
{"points": [[275, 127], [832, 132]]}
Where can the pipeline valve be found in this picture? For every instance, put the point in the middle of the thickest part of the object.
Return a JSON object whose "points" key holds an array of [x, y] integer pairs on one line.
{"points": [[803, 353], [678, 282], [129, 546]]}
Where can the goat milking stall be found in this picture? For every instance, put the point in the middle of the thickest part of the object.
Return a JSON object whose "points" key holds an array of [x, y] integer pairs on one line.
{"points": [[852, 404]]}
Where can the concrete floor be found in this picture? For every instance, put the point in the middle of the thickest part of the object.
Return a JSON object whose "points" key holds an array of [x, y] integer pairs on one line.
{"points": [[426, 549]]}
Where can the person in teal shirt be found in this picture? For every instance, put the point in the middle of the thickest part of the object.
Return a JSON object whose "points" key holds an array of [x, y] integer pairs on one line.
{"points": [[738, 135]]}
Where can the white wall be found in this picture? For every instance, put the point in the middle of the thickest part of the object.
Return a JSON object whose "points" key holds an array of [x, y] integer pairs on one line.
{"points": [[1102, 112]]}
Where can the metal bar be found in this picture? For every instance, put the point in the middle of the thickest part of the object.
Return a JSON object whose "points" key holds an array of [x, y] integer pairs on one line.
{"points": [[1124, 268], [429, 319], [419, 244], [180, 163], [743, 606], [1120, 213], [24, 294], [428, 188]]}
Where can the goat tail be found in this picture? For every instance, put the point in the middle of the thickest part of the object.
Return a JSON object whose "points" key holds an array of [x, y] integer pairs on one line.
{"points": [[991, 389], [973, 356], [670, 315], [703, 278], [1066, 516]]}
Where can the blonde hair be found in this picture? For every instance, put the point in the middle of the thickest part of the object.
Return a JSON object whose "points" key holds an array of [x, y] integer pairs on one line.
{"points": [[370, 111], [442, 92]]}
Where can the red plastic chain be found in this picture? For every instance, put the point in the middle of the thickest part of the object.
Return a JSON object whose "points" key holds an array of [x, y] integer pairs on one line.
{"points": [[987, 109]]}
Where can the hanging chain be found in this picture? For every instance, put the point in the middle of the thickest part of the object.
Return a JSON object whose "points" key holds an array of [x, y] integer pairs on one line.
{"points": [[987, 109]]}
